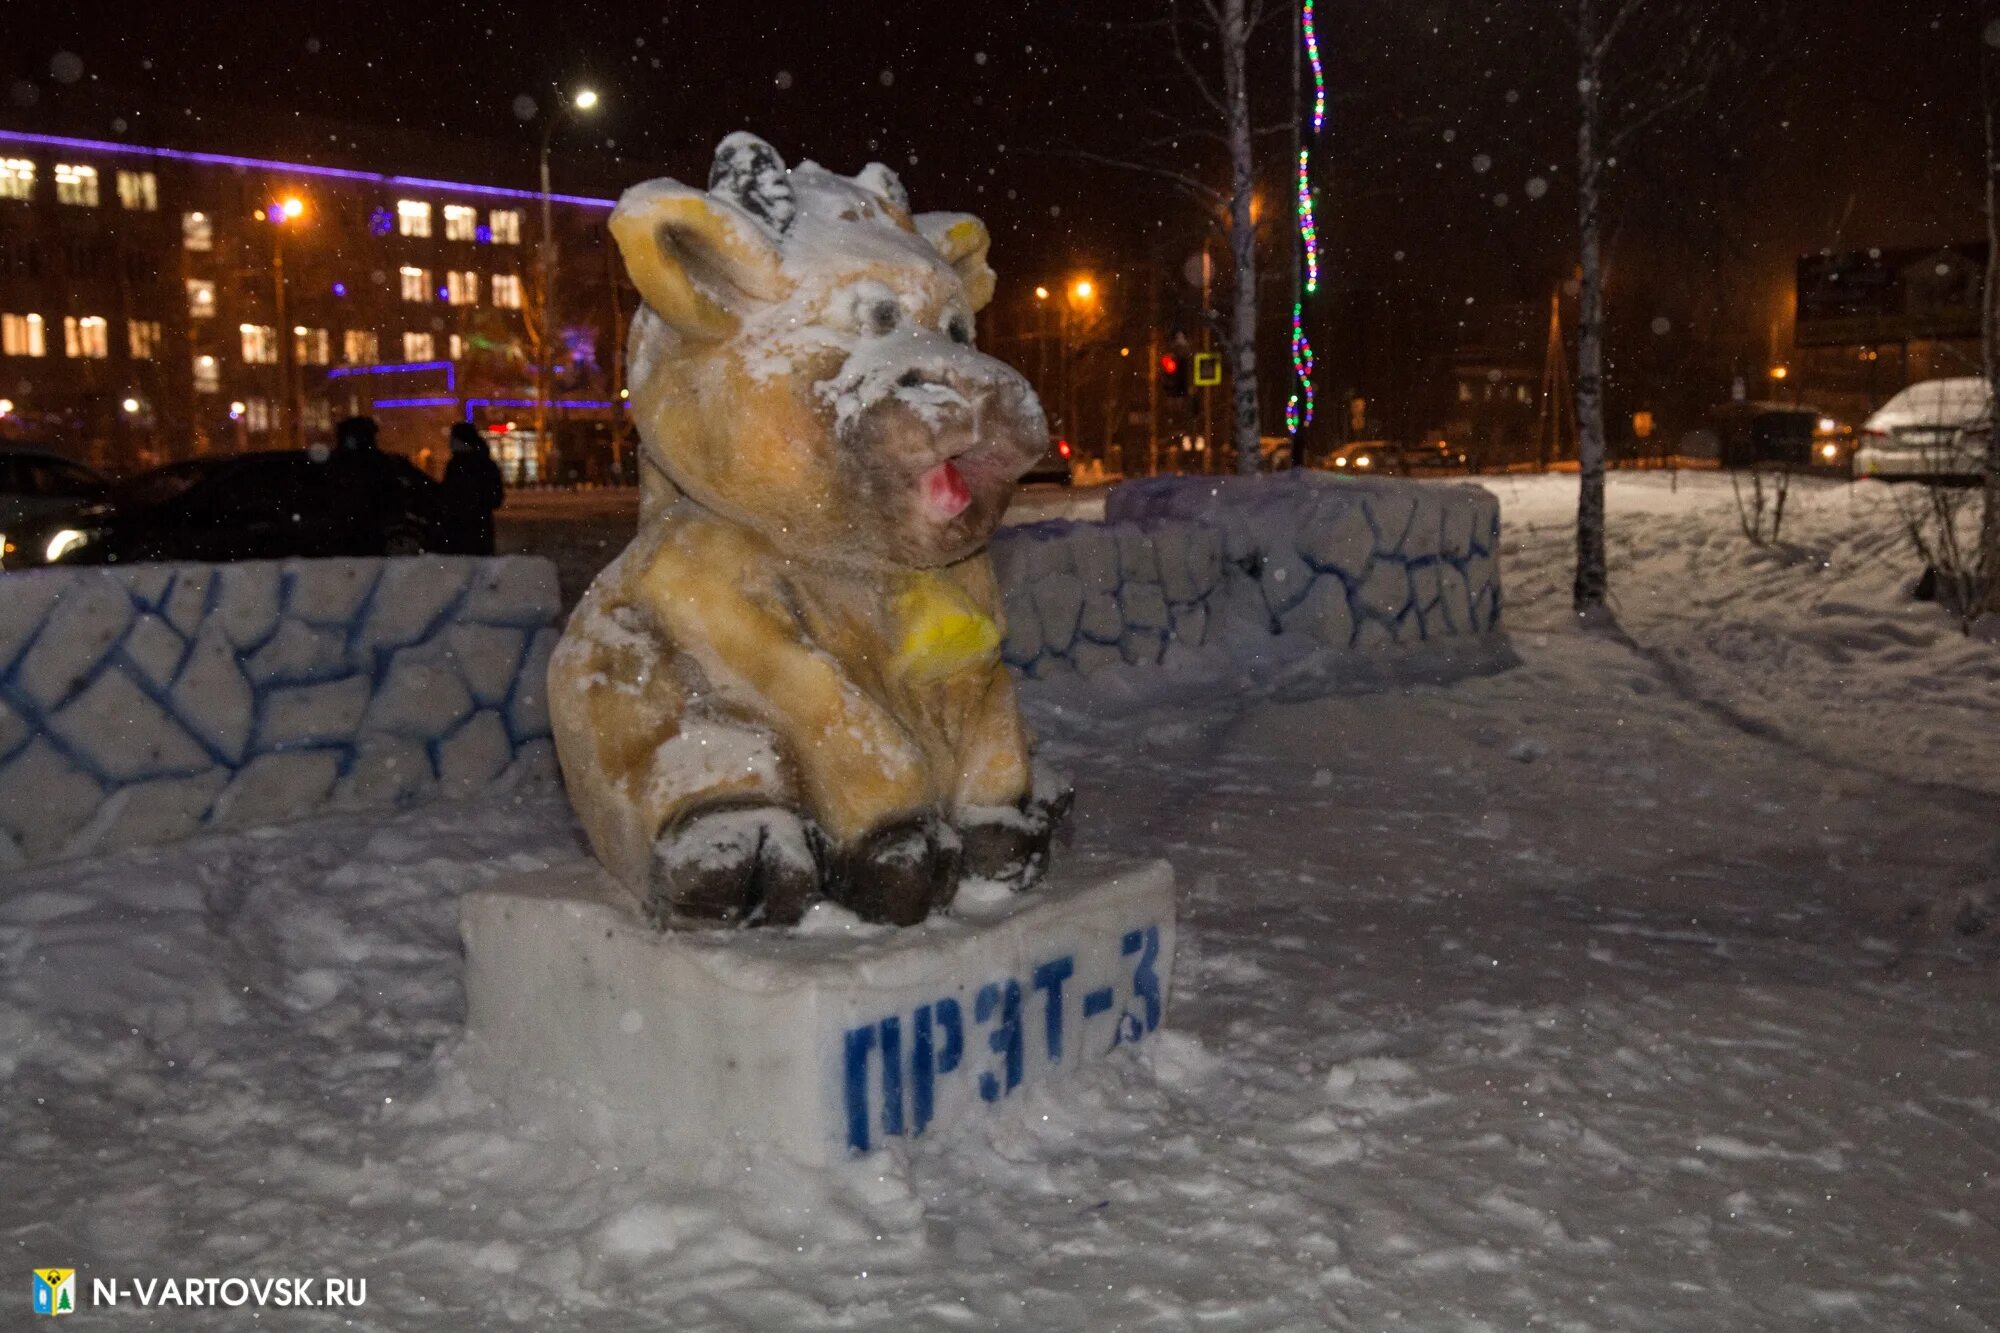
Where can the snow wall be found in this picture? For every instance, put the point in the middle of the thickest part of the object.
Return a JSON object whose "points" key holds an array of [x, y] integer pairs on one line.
{"points": [[1217, 577], [153, 702]]}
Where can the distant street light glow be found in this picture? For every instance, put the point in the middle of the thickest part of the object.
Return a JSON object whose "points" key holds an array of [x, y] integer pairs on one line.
{"points": [[1041, 293], [294, 206], [585, 99], [6, 407], [131, 406], [1082, 289]]}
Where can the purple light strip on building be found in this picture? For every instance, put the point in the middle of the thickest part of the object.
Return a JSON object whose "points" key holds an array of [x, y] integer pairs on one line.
{"points": [[450, 371], [298, 168], [415, 402]]}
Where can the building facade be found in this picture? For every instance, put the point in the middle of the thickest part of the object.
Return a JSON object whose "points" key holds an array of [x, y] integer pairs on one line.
{"points": [[157, 304]]}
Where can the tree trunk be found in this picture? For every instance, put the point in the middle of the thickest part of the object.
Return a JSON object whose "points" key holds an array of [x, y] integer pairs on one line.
{"points": [[1986, 562], [1242, 239], [1592, 583]]}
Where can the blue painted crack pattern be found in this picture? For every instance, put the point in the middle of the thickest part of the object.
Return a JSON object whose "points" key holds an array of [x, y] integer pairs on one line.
{"points": [[1426, 571], [150, 703]]}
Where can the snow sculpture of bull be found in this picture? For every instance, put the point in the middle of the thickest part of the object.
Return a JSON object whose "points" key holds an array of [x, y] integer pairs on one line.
{"points": [[789, 684]]}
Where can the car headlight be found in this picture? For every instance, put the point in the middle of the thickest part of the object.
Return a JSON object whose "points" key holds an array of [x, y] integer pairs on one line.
{"points": [[1340, 462], [65, 541], [1363, 461]]}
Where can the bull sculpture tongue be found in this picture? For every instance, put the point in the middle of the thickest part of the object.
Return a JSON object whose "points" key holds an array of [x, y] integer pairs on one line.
{"points": [[945, 493]]}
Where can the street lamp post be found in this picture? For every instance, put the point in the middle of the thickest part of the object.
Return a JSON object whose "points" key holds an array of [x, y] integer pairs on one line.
{"points": [[290, 395], [583, 100]]}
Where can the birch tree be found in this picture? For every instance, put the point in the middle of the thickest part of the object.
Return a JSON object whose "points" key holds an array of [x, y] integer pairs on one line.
{"points": [[1640, 64]]}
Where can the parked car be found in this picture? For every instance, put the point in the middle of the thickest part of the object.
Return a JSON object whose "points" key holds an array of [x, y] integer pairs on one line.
{"points": [[1763, 434], [264, 506], [34, 482], [1052, 468], [1935, 430], [1366, 456]]}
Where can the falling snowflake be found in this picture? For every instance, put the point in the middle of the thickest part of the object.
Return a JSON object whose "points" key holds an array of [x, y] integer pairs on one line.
{"points": [[1482, 164], [783, 79], [1662, 326], [66, 67], [1536, 187], [524, 107], [887, 77]]}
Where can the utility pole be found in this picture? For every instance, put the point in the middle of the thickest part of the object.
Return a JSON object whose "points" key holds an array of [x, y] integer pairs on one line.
{"points": [[1153, 370]]}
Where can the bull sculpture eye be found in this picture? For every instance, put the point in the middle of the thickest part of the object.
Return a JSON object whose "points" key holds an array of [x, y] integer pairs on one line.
{"points": [[959, 329], [882, 317]]}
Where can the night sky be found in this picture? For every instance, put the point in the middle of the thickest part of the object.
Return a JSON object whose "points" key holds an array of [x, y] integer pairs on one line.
{"points": [[1448, 157]]}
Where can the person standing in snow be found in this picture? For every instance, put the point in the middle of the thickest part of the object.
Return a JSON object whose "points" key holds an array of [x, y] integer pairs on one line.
{"points": [[472, 491]]}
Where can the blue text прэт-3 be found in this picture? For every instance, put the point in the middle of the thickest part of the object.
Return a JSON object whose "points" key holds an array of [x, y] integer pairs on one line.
{"points": [[891, 1069]]}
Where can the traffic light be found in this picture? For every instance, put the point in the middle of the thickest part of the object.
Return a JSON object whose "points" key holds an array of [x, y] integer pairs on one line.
{"points": [[1062, 448], [1174, 374]]}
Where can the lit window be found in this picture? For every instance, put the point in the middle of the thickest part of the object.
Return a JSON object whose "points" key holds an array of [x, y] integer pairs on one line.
{"points": [[257, 415], [142, 336], [462, 288], [416, 284], [87, 338], [506, 226], [311, 347], [455, 348], [413, 217], [360, 347], [76, 185], [419, 347], [17, 178], [319, 414], [23, 335], [260, 344], [1464, 392], [139, 191], [461, 223], [197, 231], [201, 298], [207, 375], [507, 291]]}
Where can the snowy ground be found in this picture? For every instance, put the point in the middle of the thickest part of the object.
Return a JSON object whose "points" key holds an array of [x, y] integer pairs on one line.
{"points": [[1623, 990]]}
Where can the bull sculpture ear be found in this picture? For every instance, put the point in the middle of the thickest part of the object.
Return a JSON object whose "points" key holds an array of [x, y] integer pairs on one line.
{"points": [[961, 238], [696, 259]]}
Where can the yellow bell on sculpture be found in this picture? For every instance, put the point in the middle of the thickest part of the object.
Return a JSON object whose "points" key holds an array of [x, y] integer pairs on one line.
{"points": [[942, 631]]}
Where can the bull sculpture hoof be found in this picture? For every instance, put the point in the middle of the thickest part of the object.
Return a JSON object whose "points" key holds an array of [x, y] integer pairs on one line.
{"points": [[899, 872], [755, 865], [1010, 844]]}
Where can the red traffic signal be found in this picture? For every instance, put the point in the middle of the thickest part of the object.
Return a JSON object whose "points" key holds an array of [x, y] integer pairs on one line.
{"points": [[1062, 447], [1169, 364], [1173, 375]]}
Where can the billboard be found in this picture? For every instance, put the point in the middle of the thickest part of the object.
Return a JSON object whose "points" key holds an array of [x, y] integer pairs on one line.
{"points": [[1865, 297]]}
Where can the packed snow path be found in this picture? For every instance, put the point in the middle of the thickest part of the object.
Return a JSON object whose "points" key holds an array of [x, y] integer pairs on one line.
{"points": [[1624, 990]]}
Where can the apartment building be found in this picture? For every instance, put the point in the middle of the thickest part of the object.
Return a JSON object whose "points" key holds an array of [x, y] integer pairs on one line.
{"points": [[158, 303]]}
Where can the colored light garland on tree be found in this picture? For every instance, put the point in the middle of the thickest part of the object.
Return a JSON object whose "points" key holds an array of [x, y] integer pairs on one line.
{"points": [[1299, 408]]}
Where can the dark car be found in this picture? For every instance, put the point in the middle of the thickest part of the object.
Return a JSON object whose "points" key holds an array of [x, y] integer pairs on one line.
{"points": [[265, 506], [34, 482]]}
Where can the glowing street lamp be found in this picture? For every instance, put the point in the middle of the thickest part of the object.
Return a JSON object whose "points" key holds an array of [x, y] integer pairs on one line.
{"points": [[1041, 293], [131, 406], [1082, 290], [585, 99], [6, 407]]}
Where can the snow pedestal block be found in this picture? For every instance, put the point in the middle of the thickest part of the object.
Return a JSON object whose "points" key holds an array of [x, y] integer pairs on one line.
{"points": [[819, 1046]]}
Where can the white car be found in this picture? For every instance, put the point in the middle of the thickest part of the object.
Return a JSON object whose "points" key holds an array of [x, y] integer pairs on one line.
{"points": [[1933, 430]]}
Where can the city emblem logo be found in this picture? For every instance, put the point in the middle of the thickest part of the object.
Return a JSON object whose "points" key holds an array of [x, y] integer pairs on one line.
{"points": [[55, 1291]]}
